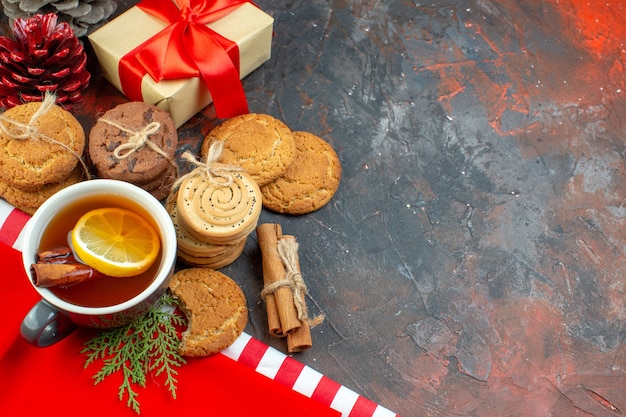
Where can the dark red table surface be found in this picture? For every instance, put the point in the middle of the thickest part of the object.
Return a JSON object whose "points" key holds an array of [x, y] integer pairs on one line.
{"points": [[472, 261]]}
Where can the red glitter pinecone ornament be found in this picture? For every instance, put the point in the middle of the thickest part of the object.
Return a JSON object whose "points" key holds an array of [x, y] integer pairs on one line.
{"points": [[44, 57]]}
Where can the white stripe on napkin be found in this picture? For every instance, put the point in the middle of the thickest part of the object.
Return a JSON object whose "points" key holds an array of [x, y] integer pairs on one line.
{"points": [[12, 222], [301, 378]]}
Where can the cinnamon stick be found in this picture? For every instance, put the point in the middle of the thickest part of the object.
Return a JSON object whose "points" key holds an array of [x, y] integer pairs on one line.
{"points": [[264, 233], [282, 315], [57, 255], [59, 267], [300, 339], [61, 274]]}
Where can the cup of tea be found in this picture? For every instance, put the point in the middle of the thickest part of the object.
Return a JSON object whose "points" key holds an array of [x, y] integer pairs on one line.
{"points": [[101, 303]]}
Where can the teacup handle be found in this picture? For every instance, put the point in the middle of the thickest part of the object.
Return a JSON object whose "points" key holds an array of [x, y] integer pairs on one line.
{"points": [[44, 325]]}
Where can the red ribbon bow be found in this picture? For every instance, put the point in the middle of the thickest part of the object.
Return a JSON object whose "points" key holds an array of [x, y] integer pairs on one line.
{"points": [[188, 48]]}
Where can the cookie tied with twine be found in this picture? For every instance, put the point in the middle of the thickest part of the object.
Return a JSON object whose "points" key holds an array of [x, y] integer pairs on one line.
{"points": [[198, 253], [41, 148], [40, 143], [136, 142], [284, 289], [215, 207]]}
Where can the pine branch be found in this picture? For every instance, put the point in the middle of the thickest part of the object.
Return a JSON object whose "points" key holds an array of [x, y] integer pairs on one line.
{"points": [[149, 343]]}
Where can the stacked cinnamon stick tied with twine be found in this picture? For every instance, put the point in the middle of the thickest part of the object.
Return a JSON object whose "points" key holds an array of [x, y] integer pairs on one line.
{"points": [[284, 288]]}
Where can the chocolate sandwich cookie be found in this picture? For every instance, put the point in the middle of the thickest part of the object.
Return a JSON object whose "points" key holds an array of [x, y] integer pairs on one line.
{"points": [[215, 307], [311, 180], [260, 144]]}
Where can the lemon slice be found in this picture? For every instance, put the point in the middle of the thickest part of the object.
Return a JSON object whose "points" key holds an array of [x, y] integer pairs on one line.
{"points": [[115, 242]]}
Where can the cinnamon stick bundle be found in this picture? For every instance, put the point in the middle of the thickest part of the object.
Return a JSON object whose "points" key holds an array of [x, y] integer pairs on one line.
{"points": [[281, 311], [284, 289], [58, 267]]}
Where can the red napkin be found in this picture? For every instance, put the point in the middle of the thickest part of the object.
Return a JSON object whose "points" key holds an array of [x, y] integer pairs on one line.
{"points": [[53, 380]]}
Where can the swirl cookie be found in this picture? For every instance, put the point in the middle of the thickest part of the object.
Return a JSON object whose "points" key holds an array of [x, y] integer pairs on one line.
{"points": [[310, 181], [216, 213], [260, 144], [215, 307], [29, 161]]}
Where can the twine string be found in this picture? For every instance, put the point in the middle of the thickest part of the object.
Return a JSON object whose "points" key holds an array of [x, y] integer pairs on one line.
{"points": [[137, 139], [288, 251], [218, 173], [29, 131]]}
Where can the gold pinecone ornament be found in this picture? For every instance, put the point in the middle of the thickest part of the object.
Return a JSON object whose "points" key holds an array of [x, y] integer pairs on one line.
{"points": [[83, 16], [43, 57]]}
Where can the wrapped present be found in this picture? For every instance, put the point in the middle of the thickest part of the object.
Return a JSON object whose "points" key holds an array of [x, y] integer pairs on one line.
{"points": [[181, 55]]}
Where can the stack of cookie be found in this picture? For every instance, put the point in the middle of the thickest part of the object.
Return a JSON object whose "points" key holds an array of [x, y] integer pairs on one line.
{"points": [[214, 216], [297, 172], [136, 142], [41, 146]]}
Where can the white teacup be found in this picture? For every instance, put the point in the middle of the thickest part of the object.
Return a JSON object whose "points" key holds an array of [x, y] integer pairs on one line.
{"points": [[53, 318]]}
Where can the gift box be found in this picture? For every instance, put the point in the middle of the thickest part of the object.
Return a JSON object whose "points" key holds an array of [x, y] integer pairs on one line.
{"points": [[182, 56]]}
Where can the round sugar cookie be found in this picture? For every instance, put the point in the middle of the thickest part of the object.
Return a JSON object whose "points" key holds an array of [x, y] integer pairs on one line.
{"points": [[259, 143], [311, 180], [197, 253], [29, 201], [49, 156], [215, 307], [215, 261], [216, 213]]}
